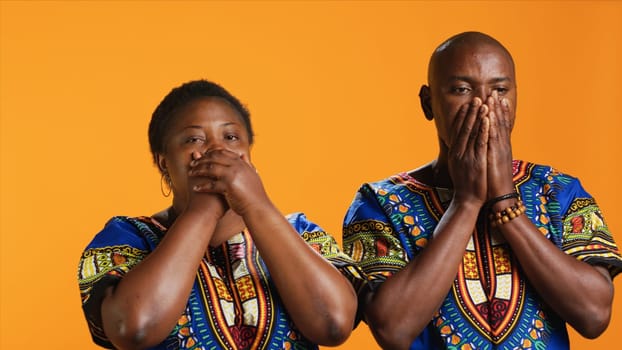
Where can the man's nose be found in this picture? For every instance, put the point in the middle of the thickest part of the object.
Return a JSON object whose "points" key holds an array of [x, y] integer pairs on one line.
{"points": [[482, 93]]}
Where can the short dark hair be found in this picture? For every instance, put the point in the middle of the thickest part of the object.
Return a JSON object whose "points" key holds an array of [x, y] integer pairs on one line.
{"points": [[181, 96]]}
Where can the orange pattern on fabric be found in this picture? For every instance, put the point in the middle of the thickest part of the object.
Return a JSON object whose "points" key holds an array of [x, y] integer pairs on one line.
{"points": [[246, 289], [502, 260], [221, 289], [470, 265]]}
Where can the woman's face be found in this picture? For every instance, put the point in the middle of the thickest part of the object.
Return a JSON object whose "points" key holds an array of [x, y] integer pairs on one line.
{"points": [[202, 125]]}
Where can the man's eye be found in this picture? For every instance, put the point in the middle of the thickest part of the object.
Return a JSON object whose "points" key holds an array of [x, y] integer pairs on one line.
{"points": [[460, 90], [501, 90]]}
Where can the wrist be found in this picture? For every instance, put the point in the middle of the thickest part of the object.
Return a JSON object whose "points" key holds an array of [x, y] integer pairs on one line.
{"points": [[259, 210], [499, 191], [204, 214], [502, 205], [467, 204], [208, 209], [502, 201], [504, 208]]}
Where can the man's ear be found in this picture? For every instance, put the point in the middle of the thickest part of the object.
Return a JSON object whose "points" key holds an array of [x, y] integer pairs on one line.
{"points": [[424, 98], [161, 163]]}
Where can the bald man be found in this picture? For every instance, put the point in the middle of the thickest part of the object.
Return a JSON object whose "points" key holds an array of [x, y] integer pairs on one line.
{"points": [[475, 250]]}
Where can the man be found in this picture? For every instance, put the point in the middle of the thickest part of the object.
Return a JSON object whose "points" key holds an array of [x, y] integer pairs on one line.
{"points": [[476, 250]]}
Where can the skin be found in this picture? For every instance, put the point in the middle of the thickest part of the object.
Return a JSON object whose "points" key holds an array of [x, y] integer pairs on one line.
{"points": [[217, 193], [472, 99]]}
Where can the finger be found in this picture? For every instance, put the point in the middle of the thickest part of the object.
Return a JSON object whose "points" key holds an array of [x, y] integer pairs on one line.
{"points": [[475, 131], [496, 100], [206, 162], [502, 123], [456, 125], [210, 169], [210, 186], [493, 127], [247, 160], [506, 112], [221, 153], [466, 128], [473, 135], [482, 138]]}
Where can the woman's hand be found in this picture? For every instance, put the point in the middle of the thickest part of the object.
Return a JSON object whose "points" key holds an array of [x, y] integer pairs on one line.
{"points": [[231, 176], [499, 173], [202, 202], [467, 156]]}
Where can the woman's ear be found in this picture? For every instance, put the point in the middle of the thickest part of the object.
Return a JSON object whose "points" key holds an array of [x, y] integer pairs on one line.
{"points": [[161, 163], [424, 98]]}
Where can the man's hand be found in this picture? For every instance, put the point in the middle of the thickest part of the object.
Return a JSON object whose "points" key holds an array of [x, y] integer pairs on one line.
{"points": [[467, 158], [499, 173]]}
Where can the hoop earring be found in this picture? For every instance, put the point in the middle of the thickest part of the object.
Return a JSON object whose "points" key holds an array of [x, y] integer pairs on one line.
{"points": [[167, 179]]}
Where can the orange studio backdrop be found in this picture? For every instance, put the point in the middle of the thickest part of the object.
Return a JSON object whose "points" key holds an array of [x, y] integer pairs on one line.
{"points": [[332, 89]]}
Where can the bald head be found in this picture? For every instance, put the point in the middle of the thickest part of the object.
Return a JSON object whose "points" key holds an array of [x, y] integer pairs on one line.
{"points": [[462, 44], [466, 66]]}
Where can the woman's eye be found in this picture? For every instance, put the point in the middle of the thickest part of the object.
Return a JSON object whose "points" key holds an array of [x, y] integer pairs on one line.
{"points": [[194, 139], [232, 137]]}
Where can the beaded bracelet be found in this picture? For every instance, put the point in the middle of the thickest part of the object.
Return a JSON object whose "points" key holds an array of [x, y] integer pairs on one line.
{"points": [[504, 216], [495, 200]]}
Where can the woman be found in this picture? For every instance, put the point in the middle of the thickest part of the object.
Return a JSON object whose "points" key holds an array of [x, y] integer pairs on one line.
{"points": [[220, 268]]}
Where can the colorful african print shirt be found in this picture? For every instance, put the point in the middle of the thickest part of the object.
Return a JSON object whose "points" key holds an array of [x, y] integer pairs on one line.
{"points": [[233, 303], [491, 305]]}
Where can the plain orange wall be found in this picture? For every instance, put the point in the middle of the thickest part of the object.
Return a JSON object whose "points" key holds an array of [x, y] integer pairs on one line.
{"points": [[332, 88]]}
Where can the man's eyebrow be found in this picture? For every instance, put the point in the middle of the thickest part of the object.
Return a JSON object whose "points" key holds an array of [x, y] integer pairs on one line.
{"points": [[499, 80], [470, 79], [459, 77]]}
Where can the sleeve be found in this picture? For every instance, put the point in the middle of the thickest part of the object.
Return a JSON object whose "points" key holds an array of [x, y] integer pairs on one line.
{"points": [[585, 233], [370, 239], [326, 245], [110, 255]]}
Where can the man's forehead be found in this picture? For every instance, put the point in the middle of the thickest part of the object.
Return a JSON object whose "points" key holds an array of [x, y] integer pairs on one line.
{"points": [[464, 57], [465, 53]]}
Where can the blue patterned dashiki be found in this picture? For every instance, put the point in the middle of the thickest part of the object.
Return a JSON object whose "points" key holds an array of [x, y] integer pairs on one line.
{"points": [[490, 305], [233, 303]]}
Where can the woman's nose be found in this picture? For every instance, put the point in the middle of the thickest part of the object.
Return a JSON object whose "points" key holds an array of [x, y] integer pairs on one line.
{"points": [[213, 145]]}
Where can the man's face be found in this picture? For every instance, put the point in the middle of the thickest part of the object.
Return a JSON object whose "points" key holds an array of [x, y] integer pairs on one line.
{"points": [[465, 72]]}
